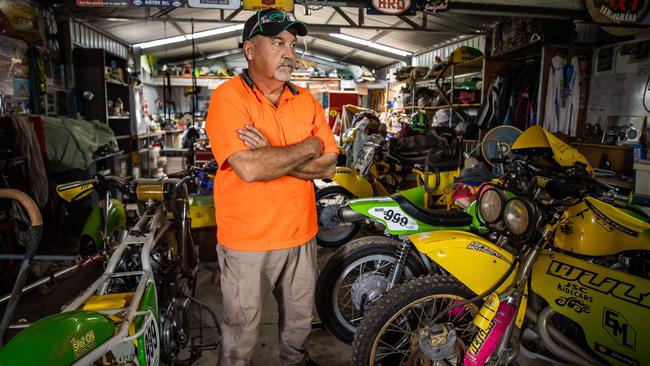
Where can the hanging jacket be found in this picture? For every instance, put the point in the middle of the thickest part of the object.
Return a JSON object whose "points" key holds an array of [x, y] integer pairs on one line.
{"points": [[562, 96], [494, 109], [571, 98], [29, 148]]}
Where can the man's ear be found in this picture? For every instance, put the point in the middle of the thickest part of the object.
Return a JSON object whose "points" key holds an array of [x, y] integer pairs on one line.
{"points": [[249, 49]]}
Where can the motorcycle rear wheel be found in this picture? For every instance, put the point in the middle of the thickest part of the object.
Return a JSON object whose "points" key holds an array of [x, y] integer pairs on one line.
{"points": [[364, 263], [384, 336], [333, 233]]}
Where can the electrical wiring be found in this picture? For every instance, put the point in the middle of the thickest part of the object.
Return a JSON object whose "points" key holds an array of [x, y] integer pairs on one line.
{"points": [[645, 91]]}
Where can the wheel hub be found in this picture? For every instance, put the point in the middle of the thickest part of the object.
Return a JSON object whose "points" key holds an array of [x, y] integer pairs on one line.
{"points": [[367, 288], [328, 216]]}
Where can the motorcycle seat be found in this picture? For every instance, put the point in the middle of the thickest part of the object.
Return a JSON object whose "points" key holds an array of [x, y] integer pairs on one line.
{"points": [[432, 216]]}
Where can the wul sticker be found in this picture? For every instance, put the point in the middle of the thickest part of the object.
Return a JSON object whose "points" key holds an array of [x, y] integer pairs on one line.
{"points": [[619, 329]]}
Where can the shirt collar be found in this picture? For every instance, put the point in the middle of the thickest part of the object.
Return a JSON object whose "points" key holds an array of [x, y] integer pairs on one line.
{"points": [[244, 75]]}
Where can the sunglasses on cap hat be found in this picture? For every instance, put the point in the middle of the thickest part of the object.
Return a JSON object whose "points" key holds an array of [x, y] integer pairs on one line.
{"points": [[274, 22]]}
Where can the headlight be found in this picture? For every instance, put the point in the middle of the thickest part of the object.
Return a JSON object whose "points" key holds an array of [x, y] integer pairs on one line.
{"points": [[517, 216], [491, 205]]}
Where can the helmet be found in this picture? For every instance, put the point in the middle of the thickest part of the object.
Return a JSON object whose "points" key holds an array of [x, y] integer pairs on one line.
{"points": [[419, 122], [463, 54]]}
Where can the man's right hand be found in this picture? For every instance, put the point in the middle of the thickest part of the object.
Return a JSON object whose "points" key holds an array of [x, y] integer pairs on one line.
{"points": [[316, 144]]}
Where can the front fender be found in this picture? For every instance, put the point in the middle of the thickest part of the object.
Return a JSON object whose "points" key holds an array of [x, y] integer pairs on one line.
{"points": [[349, 179], [474, 261]]}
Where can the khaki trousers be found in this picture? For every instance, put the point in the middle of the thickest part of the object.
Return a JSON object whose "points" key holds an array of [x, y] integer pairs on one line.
{"points": [[291, 274]]}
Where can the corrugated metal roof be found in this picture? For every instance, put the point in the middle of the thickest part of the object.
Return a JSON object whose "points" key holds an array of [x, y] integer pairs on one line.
{"points": [[136, 29]]}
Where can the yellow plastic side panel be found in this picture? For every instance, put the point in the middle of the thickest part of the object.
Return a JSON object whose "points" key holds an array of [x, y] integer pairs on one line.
{"points": [[612, 307], [108, 301], [202, 217], [74, 194], [596, 228], [474, 261], [353, 182]]}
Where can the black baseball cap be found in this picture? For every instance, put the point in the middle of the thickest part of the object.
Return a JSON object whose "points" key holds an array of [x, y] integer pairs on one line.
{"points": [[271, 22]]}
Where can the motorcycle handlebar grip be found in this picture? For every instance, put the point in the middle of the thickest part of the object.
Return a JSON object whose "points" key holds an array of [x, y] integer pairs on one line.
{"points": [[27, 202]]}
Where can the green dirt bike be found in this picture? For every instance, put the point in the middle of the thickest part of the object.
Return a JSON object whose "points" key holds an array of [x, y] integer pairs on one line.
{"points": [[377, 173], [141, 310], [364, 269]]}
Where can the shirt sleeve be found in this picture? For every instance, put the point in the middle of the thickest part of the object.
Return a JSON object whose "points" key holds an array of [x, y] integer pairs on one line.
{"points": [[226, 114], [322, 129]]}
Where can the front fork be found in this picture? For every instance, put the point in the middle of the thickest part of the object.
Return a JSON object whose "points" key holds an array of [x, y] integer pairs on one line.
{"points": [[518, 293]]}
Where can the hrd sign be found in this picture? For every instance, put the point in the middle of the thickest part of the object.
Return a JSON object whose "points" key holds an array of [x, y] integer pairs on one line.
{"points": [[392, 7]]}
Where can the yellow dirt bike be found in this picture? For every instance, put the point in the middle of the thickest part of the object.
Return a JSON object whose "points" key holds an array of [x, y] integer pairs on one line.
{"points": [[569, 281], [377, 173]]}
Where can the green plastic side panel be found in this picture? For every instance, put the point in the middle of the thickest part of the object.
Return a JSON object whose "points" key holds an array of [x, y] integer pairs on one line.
{"points": [[414, 195], [50, 341], [396, 221], [94, 224], [116, 216], [93, 227], [149, 343]]}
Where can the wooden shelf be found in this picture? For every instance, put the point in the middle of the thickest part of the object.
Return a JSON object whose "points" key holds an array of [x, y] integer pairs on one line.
{"points": [[455, 106], [603, 146], [151, 134]]}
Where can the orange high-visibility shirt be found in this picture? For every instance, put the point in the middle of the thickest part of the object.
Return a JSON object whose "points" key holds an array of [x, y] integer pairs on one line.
{"points": [[277, 214]]}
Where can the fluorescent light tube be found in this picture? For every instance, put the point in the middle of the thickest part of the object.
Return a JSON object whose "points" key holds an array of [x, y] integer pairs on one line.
{"points": [[203, 34], [371, 44]]}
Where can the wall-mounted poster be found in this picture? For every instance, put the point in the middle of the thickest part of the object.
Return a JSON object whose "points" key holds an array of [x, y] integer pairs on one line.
{"points": [[19, 19], [215, 4], [285, 5], [605, 60]]}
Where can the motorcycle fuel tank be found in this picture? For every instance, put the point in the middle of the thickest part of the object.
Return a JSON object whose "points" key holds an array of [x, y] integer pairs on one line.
{"points": [[58, 340], [596, 228]]}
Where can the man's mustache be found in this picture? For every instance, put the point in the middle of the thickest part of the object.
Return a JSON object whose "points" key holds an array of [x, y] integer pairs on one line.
{"points": [[286, 64]]}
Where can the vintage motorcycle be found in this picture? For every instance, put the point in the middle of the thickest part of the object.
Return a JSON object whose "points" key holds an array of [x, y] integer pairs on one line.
{"points": [[377, 173], [362, 270], [570, 283], [141, 310]]}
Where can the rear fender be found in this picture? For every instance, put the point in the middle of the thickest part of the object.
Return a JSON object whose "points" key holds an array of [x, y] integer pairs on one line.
{"points": [[474, 261], [353, 182]]}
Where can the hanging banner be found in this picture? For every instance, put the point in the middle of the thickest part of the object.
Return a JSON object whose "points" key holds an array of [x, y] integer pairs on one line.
{"points": [[159, 3], [618, 12], [284, 5], [391, 7], [102, 3], [215, 4]]}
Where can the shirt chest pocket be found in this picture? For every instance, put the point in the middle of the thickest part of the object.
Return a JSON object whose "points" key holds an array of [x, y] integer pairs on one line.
{"points": [[297, 124]]}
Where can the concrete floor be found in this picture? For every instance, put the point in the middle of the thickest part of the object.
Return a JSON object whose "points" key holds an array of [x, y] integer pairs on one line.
{"points": [[324, 348]]}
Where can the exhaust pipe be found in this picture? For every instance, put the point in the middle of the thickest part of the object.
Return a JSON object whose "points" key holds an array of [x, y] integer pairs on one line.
{"points": [[568, 351], [346, 214]]}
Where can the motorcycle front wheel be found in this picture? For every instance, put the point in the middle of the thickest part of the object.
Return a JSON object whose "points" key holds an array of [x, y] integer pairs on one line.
{"points": [[332, 232], [354, 276], [388, 334]]}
